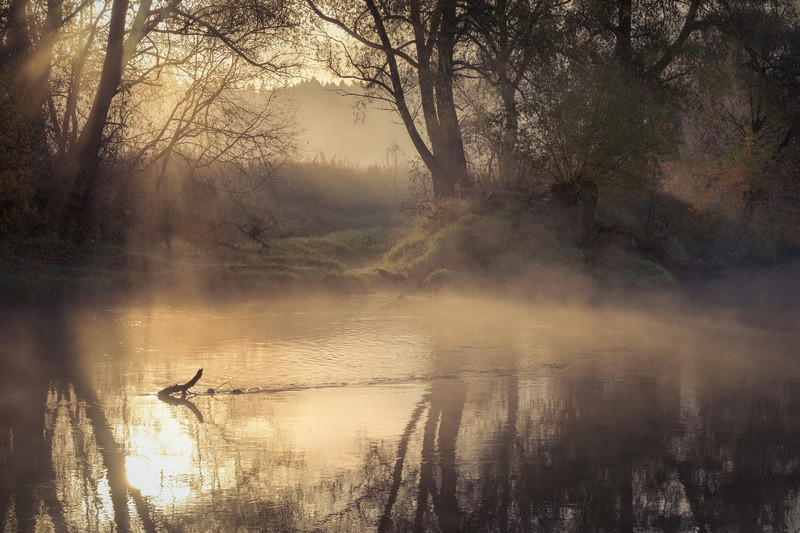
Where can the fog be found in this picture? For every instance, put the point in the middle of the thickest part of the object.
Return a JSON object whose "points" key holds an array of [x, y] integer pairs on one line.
{"points": [[335, 126], [514, 266], [379, 413]]}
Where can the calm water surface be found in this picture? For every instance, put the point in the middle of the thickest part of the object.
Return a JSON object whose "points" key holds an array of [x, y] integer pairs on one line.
{"points": [[374, 414]]}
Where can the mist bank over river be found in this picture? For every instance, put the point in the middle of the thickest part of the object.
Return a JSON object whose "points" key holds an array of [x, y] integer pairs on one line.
{"points": [[351, 413], [513, 254]]}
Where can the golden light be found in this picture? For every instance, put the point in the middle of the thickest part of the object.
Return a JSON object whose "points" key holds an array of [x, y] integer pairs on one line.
{"points": [[160, 459]]}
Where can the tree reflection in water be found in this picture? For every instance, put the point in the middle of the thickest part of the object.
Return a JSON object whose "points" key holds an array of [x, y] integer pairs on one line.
{"points": [[589, 452], [549, 449]]}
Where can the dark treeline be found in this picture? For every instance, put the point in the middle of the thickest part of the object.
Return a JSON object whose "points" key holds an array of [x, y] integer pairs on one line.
{"points": [[645, 119], [664, 111], [114, 112]]}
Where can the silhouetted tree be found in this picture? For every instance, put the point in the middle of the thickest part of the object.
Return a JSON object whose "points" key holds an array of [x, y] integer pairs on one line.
{"points": [[406, 52]]}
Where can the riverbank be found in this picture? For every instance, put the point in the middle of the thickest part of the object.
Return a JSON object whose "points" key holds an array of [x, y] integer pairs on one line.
{"points": [[503, 253], [49, 269]]}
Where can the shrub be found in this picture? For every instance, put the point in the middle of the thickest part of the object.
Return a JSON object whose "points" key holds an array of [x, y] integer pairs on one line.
{"points": [[617, 268]]}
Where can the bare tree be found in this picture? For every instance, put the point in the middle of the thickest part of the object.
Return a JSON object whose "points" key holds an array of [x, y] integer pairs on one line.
{"points": [[405, 51], [209, 133], [134, 54]]}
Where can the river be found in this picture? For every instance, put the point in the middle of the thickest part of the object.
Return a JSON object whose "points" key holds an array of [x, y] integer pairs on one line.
{"points": [[412, 414]]}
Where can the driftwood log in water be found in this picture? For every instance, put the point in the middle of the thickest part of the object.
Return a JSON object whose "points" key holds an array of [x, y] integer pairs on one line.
{"points": [[172, 389]]}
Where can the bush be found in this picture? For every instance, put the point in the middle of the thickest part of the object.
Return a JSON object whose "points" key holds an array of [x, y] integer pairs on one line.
{"points": [[617, 268]]}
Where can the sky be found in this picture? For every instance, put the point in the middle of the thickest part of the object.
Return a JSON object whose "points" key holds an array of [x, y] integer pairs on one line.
{"points": [[336, 126]]}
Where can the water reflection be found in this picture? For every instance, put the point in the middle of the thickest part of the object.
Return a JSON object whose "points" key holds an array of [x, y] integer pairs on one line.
{"points": [[183, 402], [413, 416]]}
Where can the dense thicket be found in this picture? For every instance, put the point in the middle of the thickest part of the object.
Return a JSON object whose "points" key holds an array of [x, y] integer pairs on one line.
{"points": [[114, 114], [666, 115]]}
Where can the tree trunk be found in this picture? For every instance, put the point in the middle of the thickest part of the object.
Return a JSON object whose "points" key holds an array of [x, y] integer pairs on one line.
{"points": [[435, 86], [82, 163], [453, 144], [623, 48], [448, 165], [506, 157], [588, 204], [443, 185]]}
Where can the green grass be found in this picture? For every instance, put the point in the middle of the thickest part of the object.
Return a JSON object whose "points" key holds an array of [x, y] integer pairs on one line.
{"points": [[495, 248], [620, 269], [512, 250], [505, 250], [48, 269], [376, 240]]}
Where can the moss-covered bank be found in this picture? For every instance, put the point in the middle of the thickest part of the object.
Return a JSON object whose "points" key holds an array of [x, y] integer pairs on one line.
{"points": [[463, 247]]}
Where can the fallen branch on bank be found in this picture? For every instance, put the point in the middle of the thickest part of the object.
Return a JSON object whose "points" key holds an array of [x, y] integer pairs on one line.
{"points": [[183, 389]]}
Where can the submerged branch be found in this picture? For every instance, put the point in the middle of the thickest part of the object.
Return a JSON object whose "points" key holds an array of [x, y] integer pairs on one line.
{"points": [[172, 389]]}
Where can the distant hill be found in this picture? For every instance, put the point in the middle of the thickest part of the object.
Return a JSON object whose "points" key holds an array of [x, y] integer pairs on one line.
{"points": [[339, 127]]}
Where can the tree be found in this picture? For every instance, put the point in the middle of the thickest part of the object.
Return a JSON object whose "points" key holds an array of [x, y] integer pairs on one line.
{"points": [[203, 136], [763, 105], [81, 165], [509, 38], [604, 116], [405, 52], [28, 32], [741, 153], [651, 38], [139, 46], [599, 131]]}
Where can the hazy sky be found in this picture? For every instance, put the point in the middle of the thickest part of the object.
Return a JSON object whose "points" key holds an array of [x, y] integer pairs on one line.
{"points": [[336, 126]]}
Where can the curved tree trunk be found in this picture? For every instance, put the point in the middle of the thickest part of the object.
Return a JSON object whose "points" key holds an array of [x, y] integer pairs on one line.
{"points": [[82, 164], [452, 148], [445, 158]]}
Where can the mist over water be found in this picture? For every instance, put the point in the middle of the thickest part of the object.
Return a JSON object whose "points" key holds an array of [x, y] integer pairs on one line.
{"points": [[397, 414], [610, 188]]}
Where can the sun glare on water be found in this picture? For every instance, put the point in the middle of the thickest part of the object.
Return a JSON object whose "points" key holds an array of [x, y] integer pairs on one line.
{"points": [[160, 460]]}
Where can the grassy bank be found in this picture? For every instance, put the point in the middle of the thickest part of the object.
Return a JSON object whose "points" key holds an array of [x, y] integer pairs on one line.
{"points": [[469, 252], [467, 247], [47, 269], [514, 250]]}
